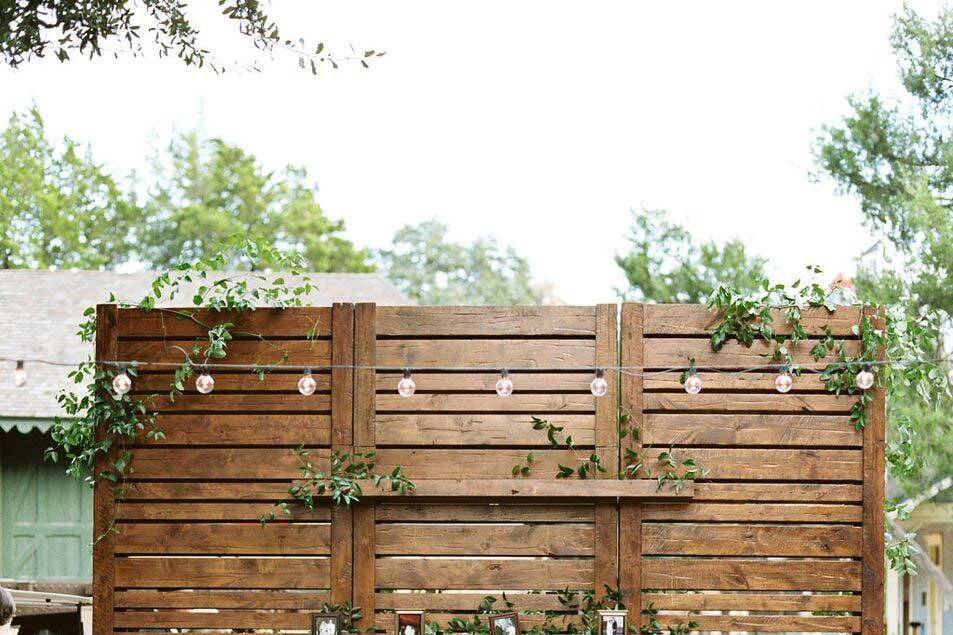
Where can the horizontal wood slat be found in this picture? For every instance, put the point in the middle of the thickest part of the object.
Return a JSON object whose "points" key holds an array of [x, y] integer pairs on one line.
{"points": [[220, 538], [485, 540], [246, 573], [733, 574], [501, 489], [506, 321], [218, 463], [219, 599], [476, 429], [243, 429], [753, 512], [774, 623], [778, 492], [271, 403], [296, 322], [579, 513], [747, 601], [223, 619], [751, 382], [489, 354], [777, 465], [288, 352], [475, 464], [231, 381], [211, 512], [676, 353], [750, 540], [751, 430], [536, 404], [458, 573], [463, 601], [695, 319], [726, 402], [386, 382]]}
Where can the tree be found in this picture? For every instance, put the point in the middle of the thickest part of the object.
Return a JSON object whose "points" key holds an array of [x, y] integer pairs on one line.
{"points": [[206, 192], [432, 270], [896, 158], [58, 208], [34, 28], [665, 264]]}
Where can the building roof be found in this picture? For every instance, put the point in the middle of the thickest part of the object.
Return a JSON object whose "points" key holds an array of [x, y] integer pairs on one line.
{"points": [[40, 311]]}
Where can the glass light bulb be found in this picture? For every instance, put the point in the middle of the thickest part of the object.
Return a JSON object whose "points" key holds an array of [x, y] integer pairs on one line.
{"points": [[406, 386], [307, 385], [693, 384], [784, 382], [19, 375], [204, 383], [504, 385], [122, 383], [599, 385], [864, 379]]}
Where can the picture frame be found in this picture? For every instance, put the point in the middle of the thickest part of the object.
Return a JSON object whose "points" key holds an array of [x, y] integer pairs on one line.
{"points": [[409, 622], [505, 624], [613, 622], [325, 624]]}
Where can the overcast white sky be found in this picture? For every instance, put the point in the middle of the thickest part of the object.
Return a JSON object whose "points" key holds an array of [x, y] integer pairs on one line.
{"points": [[540, 123]]}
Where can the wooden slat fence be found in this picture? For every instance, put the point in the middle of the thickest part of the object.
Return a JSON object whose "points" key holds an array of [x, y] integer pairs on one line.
{"points": [[784, 532]]}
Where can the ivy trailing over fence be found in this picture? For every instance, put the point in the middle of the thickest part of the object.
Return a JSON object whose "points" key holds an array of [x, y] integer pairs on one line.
{"points": [[899, 352]]}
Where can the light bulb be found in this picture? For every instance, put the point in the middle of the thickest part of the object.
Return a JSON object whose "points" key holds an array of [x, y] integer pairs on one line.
{"points": [[784, 382], [122, 384], [19, 374], [599, 385], [204, 383], [864, 379], [307, 385], [693, 384], [504, 385], [406, 386]]}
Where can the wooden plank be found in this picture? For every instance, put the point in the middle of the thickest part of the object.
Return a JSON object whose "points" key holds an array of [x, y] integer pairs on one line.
{"points": [[271, 403], [773, 430], [160, 323], [607, 416], [475, 464], [226, 381], [735, 574], [537, 404], [488, 354], [104, 506], [751, 540], [342, 554], [569, 539], [468, 429], [224, 538], [218, 599], [531, 623], [727, 402], [771, 623], [874, 484], [201, 573], [675, 352], [222, 619], [753, 512], [214, 512], [243, 429], [630, 512], [775, 465], [365, 379], [519, 513], [365, 555], [486, 382], [316, 353], [220, 463], [501, 321], [342, 439], [224, 492], [696, 319], [463, 601], [458, 573], [750, 382], [778, 492], [530, 488], [606, 573], [748, 601]]}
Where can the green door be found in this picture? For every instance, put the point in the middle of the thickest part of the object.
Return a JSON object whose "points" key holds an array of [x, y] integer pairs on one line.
{"points": [[47, 524]]}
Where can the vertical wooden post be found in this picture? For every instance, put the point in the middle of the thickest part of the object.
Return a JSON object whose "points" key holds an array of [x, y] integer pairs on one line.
{"points": [[630, 512], [607, 447], [104, 500], [342, 440], [872, 598], [365, 389]]}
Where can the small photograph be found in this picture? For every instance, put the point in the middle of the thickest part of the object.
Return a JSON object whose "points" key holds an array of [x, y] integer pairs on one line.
{"points": [[409, 623], [612, 622], [325, 624], [505, 624]]}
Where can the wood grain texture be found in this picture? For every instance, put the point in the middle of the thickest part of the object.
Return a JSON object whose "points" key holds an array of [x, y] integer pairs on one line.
{"points": [[468, 429], [224, 539], [203, 573], [161, 323], [213, 512], [753, 512], [221, 599], [840, 541], [676, 353], [501, 321], [457, 573], [696, 319], [460, 539], [229, 381], [537, 404], [219, 463], [519, 488], [489, 354], [750, 382], [751, 430], [748, 601], [365, 378], [874, 485], [631, 351], [486, 382], [315, 353], [474, 463], [365, 554], [740, 403], [778, 492], [104, 506], [735, 574], [776, 465], [518, 513], [222, 619], [243, 429], [205, 492], [270, 403], [773, 623], [463, 601]]}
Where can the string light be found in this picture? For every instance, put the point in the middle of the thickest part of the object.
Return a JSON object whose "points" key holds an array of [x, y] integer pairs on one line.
{"points": [[784, 381], [864, 379], [504, 385], [406, 385], [307, 385], [599, 385], [19, 374], [693, 383], [204, 383], [122, 383]]}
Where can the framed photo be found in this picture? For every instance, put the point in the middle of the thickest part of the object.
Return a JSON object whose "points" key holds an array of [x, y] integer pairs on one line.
{"points": [[325, 624], [612, 622], [409, 622], [504, 624]]}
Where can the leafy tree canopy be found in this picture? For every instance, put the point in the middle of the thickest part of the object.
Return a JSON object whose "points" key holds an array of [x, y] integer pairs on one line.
{"points": [[433, 270], [665, 264], [896, 158]]}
